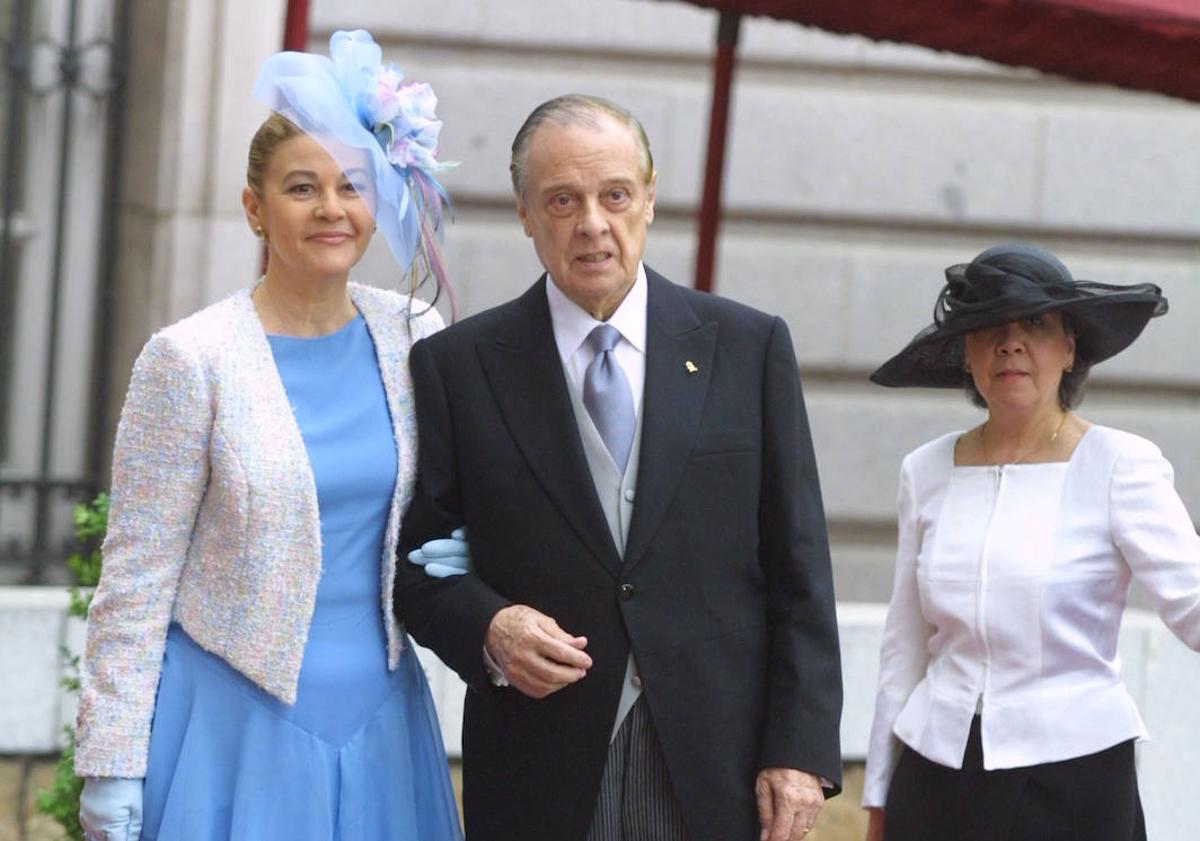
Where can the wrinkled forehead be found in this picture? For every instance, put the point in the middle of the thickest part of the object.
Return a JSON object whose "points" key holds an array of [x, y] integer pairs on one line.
{"points": [[603, 147]]}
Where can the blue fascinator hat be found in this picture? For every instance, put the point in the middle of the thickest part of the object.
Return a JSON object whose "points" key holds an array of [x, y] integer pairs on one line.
{"points": [[352, 101]]}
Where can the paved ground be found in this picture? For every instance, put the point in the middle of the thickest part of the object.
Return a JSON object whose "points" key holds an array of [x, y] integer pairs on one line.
{"points": [[841, 820], [20, 777]]}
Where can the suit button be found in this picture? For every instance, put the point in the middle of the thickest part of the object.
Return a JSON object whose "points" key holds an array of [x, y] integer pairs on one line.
{"points": [[626, 591], [629, 494]]}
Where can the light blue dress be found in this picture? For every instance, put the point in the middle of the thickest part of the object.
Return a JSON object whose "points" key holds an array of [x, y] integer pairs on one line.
{"points": [[359, 757]]}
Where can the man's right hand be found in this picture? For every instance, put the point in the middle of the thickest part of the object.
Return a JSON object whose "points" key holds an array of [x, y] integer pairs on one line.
{"points": [[534, 654]]}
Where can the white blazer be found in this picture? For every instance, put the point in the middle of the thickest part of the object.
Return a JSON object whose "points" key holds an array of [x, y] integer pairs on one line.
{"points": [[1009, 587], [214, 521]]}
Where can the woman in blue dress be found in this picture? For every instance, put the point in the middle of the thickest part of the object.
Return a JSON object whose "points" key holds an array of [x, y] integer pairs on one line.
{"points": [[244, 677]]}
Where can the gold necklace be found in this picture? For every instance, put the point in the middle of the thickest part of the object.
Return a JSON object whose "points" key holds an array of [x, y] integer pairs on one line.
{"points": [[987, 457]]}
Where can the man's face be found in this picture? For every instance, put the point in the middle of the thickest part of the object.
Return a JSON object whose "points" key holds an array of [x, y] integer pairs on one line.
{"points": [[586, 205]]}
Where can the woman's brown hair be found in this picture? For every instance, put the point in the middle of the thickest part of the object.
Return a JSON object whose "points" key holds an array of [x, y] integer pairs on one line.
{"points": [[274, 130]]}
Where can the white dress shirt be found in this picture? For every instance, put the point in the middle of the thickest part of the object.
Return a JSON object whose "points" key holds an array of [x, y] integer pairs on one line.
{"points": [[572, 325], [1009, 588]]}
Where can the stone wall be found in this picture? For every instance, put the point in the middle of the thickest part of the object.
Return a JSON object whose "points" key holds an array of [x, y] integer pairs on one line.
{"points": [[856, 173], [20, 779], [184, 238]]}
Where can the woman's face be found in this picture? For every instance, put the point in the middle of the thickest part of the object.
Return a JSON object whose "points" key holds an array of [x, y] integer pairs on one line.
{"points": [[1019, 365], [316, 217]]}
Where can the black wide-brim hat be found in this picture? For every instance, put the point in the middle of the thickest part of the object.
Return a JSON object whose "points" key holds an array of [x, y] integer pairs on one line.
{"points": [[1011, 282]]}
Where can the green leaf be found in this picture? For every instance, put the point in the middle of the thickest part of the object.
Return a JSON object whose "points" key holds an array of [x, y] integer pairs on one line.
{"points": [[61, 800]]}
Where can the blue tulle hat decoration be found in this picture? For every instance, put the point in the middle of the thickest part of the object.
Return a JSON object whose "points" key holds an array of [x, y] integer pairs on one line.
{"points": [[353, 101]]}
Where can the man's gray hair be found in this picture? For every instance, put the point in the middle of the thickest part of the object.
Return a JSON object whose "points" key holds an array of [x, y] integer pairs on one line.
{"points": [[575, 109]]}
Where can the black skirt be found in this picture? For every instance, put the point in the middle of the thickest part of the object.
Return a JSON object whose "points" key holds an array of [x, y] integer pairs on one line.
{"points": [[1089, 798]]}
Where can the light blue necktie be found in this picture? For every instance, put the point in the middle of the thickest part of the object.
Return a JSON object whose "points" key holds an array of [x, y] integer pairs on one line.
{"points": [[607, 395]]}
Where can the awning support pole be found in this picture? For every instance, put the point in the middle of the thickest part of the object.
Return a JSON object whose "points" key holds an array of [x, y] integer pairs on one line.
{"points": [[295, 37], [710, 205], [295, 26]]}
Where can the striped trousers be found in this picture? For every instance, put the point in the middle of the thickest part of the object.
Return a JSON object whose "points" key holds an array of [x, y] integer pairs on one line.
{"points": [[636, 801]]}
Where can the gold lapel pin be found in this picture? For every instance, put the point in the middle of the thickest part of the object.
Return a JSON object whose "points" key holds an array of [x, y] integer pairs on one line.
{"points": [[691, 367]]}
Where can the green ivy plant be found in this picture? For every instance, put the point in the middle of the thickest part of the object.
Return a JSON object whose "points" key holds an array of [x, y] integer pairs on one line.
{"points": [[61, 800]]}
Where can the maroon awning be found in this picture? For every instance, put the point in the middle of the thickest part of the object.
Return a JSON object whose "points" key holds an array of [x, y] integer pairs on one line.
{"points": [[1149, 45]]}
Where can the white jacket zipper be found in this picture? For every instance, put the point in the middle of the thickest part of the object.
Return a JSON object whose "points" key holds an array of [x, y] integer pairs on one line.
{"points": [[981, 590]]}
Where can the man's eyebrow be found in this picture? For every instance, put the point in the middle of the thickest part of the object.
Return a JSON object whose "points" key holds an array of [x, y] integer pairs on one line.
{"points": [[557, 187], [567, 187]]}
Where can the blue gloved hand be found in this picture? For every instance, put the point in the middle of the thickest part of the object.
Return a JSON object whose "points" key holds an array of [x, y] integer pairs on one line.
{"points": [[110, 809], [445, 557]]}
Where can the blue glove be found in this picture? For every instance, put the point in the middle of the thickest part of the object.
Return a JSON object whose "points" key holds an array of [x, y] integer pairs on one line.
{"points": [[445, 557], [110, 809]]}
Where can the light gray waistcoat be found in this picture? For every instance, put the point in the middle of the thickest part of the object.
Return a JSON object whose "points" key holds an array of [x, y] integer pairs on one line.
{"points": [[616, 494]]}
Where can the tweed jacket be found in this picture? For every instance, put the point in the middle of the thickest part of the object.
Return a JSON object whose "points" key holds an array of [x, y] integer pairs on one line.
{"points": [[214, 521]]}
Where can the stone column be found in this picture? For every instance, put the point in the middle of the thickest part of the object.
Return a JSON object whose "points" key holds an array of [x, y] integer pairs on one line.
{"points": [[184, 239]]}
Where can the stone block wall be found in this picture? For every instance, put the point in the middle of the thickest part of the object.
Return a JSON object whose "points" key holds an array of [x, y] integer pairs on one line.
{"points": [[856, 173]]}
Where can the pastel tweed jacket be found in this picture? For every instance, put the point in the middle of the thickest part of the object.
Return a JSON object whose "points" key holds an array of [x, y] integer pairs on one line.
{"points": [[214, 521]]}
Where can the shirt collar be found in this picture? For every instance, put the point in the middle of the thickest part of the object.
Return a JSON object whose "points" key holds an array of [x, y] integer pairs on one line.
{"points": [[572, 324]]}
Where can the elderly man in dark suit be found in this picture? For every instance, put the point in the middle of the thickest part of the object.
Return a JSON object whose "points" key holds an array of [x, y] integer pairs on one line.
{"points": [[648, 630]]}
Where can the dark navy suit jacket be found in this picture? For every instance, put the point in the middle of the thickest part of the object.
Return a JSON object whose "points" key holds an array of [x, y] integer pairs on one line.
{"points": [[724, 593]]}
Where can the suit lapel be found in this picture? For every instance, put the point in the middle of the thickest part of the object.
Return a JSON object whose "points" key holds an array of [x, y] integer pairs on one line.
{"points": [[525, 372], [679, 355]]}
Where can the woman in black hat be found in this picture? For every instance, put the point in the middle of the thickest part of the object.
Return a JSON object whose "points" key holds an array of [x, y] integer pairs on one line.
{"points": [[1000, 712]]}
